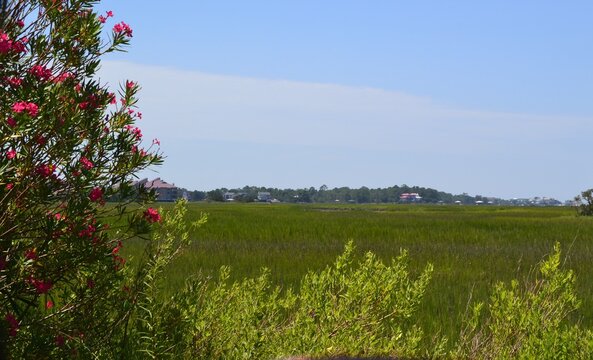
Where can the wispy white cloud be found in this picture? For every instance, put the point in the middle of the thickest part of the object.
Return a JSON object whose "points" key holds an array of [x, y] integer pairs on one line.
{"points": [[189, 107]]}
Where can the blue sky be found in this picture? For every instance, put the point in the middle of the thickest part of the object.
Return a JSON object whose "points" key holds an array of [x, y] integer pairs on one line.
{"points": [[463, 96]]}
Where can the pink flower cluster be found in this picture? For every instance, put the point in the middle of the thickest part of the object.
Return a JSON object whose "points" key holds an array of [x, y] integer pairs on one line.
{"points": [[135, 150], [63, 77], [41, 286], [7, 45], [96, 195], [45, 170], [102, 18], [13, 324], [134, 130], [41, 72], [123, 28], [31, 108], [152, 215], [89, 231], [13, 81]]}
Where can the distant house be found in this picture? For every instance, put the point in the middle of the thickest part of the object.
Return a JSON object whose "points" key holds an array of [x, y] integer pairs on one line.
{"points": [[164, 190], [410, 197], [229, 196], [264, 196]]}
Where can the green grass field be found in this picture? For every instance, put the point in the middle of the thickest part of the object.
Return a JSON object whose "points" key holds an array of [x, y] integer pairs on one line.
{"points": [[471, 247]]}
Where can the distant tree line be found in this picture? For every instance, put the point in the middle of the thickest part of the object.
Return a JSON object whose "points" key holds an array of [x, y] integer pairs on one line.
{"points": [[339, 195]]}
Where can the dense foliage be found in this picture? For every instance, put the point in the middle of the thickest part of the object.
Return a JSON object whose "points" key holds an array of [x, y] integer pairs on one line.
{"points": [[67, 145], [343, 195], [585, 203]]}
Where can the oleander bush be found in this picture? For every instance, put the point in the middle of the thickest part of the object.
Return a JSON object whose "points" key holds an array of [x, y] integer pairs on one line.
{"points": [[67, 146]]}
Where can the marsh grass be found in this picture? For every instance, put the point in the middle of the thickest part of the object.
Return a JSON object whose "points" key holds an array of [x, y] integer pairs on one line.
{"points": [[472, 248]]}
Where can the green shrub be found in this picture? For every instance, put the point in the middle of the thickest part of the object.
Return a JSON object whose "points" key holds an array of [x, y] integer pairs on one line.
{"points": [[352, 307], [528, 322], [585, 203], [357, 308]]}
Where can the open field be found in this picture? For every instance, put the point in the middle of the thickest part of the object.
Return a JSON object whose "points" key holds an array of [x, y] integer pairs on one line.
{"points": [[471, 247]]}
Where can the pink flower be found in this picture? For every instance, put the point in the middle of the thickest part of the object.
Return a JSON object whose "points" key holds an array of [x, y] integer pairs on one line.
{"points": [[31, 254], [13, 324], [156, 141], [9, 186], [49, 304], [5, 43], [86, 163], [20, 23], [60, 341], [102, 19], [119, 262], [123, 28], [11, 122], [117, 248], [130, 84], [96, 195], [11, 154], [19, 46], [19, 107], [152, 215], [109, 13], [32, 109]]}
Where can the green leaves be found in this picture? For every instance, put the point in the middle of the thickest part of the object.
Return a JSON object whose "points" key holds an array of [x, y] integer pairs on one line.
{"points": [[357, 306], [528, 322]]}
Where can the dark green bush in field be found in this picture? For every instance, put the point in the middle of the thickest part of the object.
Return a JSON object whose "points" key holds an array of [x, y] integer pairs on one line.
{"points": [[585, 201]]}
